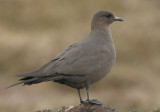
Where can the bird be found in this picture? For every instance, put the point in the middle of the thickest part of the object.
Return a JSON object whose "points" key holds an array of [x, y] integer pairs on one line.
{"points": [[82, 63]]}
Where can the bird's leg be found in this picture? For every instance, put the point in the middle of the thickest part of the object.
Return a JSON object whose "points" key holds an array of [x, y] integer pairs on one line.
{"points": [[79, 93], [87, 89], [93, 101]]}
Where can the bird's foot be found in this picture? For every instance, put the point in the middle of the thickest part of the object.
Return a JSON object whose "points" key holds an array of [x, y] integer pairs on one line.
{"points": [[94, 101]]}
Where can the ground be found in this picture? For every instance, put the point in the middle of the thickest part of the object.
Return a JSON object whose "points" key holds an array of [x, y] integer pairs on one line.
{"points": [[87, 107]]}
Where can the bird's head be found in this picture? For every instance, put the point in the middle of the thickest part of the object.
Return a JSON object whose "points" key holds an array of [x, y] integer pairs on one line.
{"points": [[103, 19]]}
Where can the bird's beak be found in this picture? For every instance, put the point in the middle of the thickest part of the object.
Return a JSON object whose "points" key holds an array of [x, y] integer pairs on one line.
{"points": [[118, 19]]}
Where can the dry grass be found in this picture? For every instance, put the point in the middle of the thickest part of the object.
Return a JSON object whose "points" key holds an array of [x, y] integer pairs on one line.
{"points": [[33, 32]]}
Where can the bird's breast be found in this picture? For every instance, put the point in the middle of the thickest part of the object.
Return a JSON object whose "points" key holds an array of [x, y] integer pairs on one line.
{"points": [[104, 58]]}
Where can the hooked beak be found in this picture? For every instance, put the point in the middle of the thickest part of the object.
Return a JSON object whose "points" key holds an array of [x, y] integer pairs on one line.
{"points": [[118, 19]]}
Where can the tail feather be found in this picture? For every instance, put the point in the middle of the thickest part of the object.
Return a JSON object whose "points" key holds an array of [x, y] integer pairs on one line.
{"points": [[27, 78], [30, 74], [26, 81], [31, 80], [14, 85]]}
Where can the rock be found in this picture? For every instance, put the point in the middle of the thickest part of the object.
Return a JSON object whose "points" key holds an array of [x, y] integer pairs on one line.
{"points": [[87, 107]]}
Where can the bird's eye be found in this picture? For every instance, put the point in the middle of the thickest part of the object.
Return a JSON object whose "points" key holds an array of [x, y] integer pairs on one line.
{"points": [[108, 15]]}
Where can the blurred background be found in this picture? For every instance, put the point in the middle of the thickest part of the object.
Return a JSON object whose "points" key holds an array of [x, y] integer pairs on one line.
{"points": [[32, 32]]}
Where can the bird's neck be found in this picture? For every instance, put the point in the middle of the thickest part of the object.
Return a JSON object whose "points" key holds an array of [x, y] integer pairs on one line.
{"points": [[102, 30], [99, 26], [103, 36]]}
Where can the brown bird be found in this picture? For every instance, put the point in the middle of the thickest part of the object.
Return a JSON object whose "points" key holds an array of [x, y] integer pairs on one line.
{"points": [[83, 63]]}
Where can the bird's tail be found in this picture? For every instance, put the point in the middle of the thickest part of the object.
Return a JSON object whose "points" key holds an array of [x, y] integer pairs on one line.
{"points": [[14, 85], [29, 79]]}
